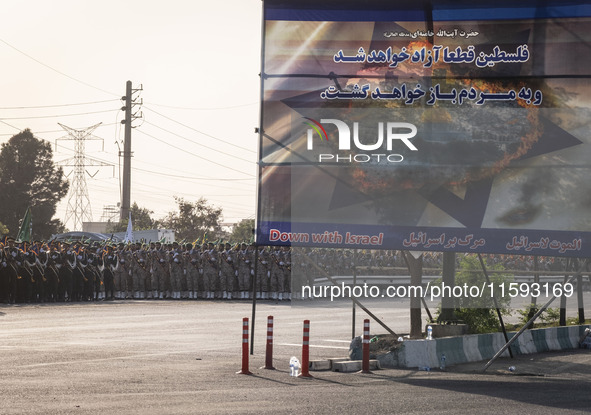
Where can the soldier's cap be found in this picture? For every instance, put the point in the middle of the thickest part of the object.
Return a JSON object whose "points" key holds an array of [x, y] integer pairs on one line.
{"points": [[10, 238], [158, 243], [189, 245], [65, 243], [175, 243]]}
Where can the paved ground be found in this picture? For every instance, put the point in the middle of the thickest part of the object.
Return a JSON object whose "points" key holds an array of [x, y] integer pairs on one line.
{"points": [[154, 357]]}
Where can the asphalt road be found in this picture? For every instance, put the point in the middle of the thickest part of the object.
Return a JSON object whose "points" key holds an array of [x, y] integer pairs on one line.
{"points": [[181, 357]]}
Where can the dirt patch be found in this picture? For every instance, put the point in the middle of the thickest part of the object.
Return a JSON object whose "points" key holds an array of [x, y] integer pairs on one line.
{"points": [[384, 343]]}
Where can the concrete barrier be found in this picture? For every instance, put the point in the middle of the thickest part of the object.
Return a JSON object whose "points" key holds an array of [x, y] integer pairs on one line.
{"points": [[354, 366], [477, 347]]}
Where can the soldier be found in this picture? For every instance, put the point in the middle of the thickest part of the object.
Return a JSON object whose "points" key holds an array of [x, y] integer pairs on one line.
{"points": [[177, 269], [286, 267], [160, 271], [140, 271], [78, 272], [93, 274], [121, 273], [110, 265], [147, 254], [263, 274], [38, 271], [11, 262], [25, 278], [276, 274], [210, 270], [227, 270], [52, 264], [66, 272], [192, 266], [244, 259]]}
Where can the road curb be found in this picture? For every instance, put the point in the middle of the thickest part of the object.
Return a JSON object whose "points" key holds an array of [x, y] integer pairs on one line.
{"points": [[478, 347]]}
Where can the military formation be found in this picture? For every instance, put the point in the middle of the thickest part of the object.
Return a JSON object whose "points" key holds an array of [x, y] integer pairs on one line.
{"points": [[66, 272]]}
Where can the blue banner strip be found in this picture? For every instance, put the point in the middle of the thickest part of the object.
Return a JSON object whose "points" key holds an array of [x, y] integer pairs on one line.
{"points": [[344, 11], [499, 241]]}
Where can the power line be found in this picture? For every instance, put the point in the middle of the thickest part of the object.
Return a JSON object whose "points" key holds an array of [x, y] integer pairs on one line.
{"points": [[193, 154], [199, 144], [200, 132], [55, 70], [205, 109], [58, 105], [50, 131], [57, 116], [188, 177]]}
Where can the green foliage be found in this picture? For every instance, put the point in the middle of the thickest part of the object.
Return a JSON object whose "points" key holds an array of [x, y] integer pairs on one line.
{"points": [[479, 311], [30, 179], [552, 315], [193, 220], [243, 231], [549, 316], [140, 218]]}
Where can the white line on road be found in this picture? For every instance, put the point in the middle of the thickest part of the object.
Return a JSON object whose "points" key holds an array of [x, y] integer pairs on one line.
{"points": [[314, 345]]}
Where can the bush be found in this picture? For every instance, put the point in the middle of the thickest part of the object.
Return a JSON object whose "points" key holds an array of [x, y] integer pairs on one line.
{"points": [[479, 312]]}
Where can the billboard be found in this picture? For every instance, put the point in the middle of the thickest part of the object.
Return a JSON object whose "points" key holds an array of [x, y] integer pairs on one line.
{"points": [[437, 125]]}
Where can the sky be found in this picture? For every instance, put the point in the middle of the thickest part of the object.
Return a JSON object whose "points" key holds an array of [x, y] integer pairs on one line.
{"points": [[197, 62]]}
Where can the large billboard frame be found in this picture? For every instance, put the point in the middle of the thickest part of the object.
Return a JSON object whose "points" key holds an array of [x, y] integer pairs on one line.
{"points": [[456, 215]]}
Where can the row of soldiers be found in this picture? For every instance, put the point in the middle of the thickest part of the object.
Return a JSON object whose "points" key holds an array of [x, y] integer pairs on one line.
{"points": [[60, 271]]}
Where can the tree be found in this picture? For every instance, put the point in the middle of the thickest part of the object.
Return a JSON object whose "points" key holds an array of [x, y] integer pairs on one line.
{"points": [[29, 178], [194, 220], [243, 231], [479, 312], [141, 220]]}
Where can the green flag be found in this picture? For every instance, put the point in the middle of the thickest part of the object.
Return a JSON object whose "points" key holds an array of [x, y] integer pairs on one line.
{"points": [[25, 232]]}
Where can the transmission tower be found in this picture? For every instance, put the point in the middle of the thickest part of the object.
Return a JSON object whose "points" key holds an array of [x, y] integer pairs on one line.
{"points": [[78, 201]]}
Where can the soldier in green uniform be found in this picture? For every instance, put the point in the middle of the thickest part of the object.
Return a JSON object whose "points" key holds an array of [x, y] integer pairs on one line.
{"points": [[227, 271], [210, 270], [177, 267]]}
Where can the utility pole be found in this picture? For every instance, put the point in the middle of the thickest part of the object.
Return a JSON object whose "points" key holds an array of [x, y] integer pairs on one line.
{"points": [[130, 115]]}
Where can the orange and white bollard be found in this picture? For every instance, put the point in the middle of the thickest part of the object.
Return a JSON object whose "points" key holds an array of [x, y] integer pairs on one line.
{"points": [[244, 370], [306, 351], [269, 350], [365, 361]]}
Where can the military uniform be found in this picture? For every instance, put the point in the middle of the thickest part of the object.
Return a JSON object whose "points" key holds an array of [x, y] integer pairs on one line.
{"points": [[10, 264], [140, 270], [122, 273], [244, 259], [193, 266], [210, 270], [110, 265], [263, 274], [227, 271], [177, 270], [159, 271]]}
